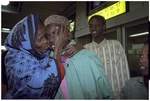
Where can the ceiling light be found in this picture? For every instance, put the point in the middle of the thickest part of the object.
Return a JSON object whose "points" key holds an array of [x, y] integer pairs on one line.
{"points": [[4, 2], [3, 48], [5, 30], [139, 34]]}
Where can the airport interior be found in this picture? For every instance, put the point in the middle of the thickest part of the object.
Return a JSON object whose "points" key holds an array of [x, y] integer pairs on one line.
{"points": [[126, 21]]}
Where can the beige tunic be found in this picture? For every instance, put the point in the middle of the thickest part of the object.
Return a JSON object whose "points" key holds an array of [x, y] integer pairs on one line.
{"points": [[114, 60]]}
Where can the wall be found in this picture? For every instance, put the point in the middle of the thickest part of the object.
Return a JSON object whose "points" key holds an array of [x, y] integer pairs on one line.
{"points": [[137, 10]]}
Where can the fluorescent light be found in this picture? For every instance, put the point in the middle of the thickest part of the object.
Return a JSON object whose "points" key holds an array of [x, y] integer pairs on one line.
{"points": [[3, 48], [139, 34], [5, 30], [4, 2]]}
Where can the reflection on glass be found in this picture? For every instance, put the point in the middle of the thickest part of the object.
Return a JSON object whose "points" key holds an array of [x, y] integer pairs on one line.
{"points": [[134, 45], [111, 35]]}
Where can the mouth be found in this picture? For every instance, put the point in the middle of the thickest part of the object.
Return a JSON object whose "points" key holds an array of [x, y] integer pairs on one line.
{"points": [[142, 68], [94, 32], [52, 46], [46, 47]]}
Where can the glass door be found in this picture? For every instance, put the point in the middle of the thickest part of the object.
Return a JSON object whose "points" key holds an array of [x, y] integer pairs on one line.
{"points": [[135, 36]]}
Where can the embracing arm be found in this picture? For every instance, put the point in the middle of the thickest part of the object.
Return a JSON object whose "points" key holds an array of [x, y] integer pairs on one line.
{"points": [[72, 50]]}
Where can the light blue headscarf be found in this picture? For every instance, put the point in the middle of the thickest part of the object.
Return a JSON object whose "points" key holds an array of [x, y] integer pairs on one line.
{"points": [[30, 74]]}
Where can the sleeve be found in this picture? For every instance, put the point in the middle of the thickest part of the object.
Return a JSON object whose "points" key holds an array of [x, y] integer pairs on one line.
{"points": [[97, 84], [123, 63], [24, 73]]}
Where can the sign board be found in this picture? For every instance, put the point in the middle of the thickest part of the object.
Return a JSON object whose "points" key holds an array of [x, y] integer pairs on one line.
{"points": [[112, 11]]}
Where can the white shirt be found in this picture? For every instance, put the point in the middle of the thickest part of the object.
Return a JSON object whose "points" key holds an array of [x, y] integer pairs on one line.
{"points": [[114, 60]]}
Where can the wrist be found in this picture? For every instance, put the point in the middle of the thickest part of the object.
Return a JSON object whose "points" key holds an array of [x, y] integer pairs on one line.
{"points": [[57, 54]]}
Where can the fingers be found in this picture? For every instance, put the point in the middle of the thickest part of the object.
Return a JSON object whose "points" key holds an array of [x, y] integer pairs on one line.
{"points": [[70, 51], [69, 54]]}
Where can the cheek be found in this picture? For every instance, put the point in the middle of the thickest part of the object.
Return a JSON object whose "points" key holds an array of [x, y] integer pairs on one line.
{"points": [[52, 37], [147, 62], [38, 45]]}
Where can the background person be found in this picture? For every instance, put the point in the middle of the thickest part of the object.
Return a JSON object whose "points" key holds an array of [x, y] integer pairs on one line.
{"points": [[138, 87], [110, 52], [85, 76], [31, 73]]}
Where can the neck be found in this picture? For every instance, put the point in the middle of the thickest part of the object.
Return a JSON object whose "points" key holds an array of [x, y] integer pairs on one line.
{"points": [[98, 39]]}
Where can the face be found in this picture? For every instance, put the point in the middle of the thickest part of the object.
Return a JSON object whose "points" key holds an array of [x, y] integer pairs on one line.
{"points": [[96, 27], [51, 31], [41, 42], [144, 60]]}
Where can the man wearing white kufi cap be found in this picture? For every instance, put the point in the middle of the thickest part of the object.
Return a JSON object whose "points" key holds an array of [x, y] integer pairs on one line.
{"points": [[85, 77]]}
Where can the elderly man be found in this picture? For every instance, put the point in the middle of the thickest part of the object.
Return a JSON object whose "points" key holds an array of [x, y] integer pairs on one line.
{"points": [[85, 76]]}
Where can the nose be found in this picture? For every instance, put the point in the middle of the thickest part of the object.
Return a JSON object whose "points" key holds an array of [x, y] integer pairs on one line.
{"points": [[45, 40], [92, 27], [51, 38], [141, 60]]}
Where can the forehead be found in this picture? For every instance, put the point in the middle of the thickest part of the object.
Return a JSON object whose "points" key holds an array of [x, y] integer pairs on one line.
{"points": [[95, 20], [41, 31], [53, 25]]}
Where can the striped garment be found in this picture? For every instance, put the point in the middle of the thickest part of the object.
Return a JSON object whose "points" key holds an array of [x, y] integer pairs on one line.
{"points": [[114, 60]]}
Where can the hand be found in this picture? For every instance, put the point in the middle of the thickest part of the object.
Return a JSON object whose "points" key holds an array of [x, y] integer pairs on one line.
{"points": [[72, 50], [61, 37]]}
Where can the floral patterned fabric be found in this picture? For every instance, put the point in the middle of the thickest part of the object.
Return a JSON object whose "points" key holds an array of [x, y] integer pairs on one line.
{"points": [[31, 75]]}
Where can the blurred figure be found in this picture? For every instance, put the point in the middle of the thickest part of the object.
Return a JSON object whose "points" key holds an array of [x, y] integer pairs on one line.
{"points": [[85, 76], [138, 87], [3, 74], [110, 52], [31, 72]]}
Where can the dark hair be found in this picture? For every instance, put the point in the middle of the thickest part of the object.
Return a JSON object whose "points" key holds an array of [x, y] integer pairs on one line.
{"points": [[99, 17]]}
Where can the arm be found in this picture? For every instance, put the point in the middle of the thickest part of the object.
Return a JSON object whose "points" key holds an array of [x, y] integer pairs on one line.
{"points": [[31, 74], [104, 89], [123, 63], [72, 50], [95, 82], [61, 38]]}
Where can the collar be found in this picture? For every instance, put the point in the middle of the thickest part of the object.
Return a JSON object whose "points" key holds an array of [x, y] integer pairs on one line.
{"points": [[140, 79], [100, 44]]}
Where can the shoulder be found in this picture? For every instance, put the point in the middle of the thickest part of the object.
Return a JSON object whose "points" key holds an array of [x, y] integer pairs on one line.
{"points": [[89, 44], [114, 41], [86, 55], [86, 52], [134, 80]]}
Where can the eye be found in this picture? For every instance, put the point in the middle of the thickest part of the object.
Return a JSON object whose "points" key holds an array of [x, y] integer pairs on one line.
{"points": [[47, 36], [90, 26]]}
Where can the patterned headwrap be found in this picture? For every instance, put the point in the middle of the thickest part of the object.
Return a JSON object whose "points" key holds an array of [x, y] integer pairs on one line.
{"points": [[23, 36], [30, 74], [57, 19]]}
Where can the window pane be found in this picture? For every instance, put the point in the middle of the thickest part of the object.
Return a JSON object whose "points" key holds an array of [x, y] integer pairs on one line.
{"points": [[134, 45]]}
